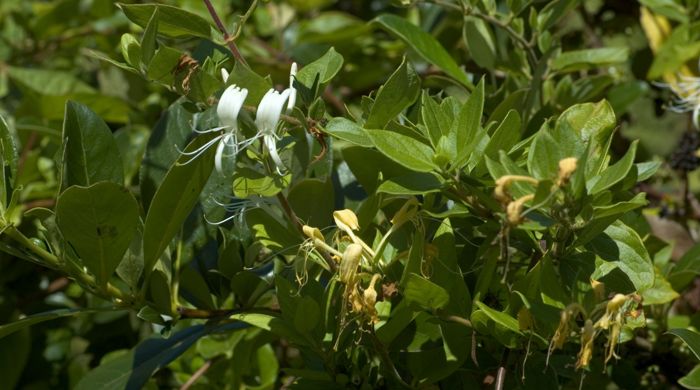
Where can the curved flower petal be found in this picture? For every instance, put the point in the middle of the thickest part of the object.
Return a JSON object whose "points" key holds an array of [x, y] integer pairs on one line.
{"points": [[270, 109], [271, 144], [220, 152], [293, 91], [230, 105], [224, 74]]}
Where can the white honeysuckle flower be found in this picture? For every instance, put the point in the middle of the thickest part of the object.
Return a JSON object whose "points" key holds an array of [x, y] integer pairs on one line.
{"points": [[266, 119], [227, 110], [224, 74], [293, 93]]}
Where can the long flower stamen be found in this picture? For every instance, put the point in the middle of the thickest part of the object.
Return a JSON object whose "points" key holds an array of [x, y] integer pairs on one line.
{"points": [[199, 151]]}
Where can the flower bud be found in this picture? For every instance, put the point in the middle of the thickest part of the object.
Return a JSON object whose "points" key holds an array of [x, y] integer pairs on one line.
{"points": [[346, 219], [312, 233]]}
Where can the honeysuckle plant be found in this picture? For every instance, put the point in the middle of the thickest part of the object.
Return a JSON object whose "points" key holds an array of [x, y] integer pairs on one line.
{"points": [[422, 194]]}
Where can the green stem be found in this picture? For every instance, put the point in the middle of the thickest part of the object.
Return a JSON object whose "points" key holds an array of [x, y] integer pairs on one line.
{"points": [[106, 291]]}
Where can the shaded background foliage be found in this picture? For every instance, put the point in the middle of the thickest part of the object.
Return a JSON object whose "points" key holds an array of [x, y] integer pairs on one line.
{"points": [[74, 50]]}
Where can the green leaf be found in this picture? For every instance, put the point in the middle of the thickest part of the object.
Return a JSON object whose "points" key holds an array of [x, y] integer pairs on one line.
{"points": [[99, 222], [661, 292], [424, 293], [10, 156], [244, 77], [174, 22], [480, 42], [90, 152], [272, 233], [174, 200], [690, 338], [412, 184], [615, 173], [583, 126], [347, 130], [399, 92], [403, 149], [171, 132], [692, 379], [131, 49], [465, 129], [162, 65], [312, 201], [148, 42], [621, 247], [571, 61], [503, 319], [307, 315], [647, 169], [424, 44], [505, 136], [553, 12], [686, 269], [249, 181], [14, 355], [7, 329], [327, 66], [437, 123], [195, 289]]}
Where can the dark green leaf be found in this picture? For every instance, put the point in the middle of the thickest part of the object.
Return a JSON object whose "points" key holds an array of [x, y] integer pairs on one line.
{"points": [[99, 222], [465, 129], [500, 318], [312, 201], [399, 92], [175, 198], [480, 41], [621, 247], [172, 132], [90, 153], [425, 293], [174, 22]]}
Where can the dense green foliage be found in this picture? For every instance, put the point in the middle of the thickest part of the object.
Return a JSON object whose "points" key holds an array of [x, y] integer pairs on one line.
{"points": [[349, 194]]}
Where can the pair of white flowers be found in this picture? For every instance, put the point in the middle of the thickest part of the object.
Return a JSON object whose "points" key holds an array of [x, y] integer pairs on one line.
{"points": [[230, 142]]}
